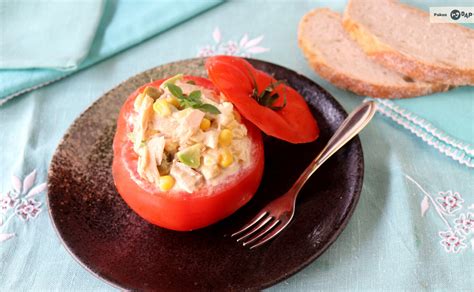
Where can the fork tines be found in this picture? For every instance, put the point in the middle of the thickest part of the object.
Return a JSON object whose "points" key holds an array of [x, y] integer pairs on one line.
{"points": [[259, 230]]}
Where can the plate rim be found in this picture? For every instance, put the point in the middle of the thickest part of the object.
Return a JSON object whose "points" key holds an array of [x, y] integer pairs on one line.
{"points": [[337, 231]]}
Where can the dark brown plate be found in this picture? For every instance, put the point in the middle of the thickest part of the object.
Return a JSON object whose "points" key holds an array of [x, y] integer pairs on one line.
{"points": [[114, 243]]}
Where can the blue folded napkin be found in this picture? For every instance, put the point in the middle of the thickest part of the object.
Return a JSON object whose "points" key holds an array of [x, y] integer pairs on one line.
{"points": [[124, 23], [47, 34]]}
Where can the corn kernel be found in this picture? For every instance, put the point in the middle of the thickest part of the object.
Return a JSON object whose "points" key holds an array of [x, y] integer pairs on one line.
{"points": [[226, 158], [162, 107], [173, 101], [225, 137], [205, 124], [166, 182]]}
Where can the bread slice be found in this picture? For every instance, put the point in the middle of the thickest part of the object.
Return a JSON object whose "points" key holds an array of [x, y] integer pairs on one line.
{"points": [[402, 38], [338, 59]]}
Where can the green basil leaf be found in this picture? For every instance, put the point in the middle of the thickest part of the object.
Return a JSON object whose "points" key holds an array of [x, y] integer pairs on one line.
{"points": [[195, 96], [175, 90], [209, 108]]}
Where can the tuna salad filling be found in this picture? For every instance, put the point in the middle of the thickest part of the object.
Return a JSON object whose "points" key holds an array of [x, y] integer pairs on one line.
{"points": [[186, 137]]}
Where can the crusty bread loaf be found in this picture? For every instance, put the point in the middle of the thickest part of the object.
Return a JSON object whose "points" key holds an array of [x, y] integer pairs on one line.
{"points": [[338, 59], [402, 38]]}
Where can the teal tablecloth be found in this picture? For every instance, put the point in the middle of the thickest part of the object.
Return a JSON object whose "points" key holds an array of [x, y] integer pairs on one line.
{"points": [[414, 225]]}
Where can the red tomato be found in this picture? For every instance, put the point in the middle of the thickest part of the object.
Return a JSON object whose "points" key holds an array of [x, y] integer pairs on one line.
{"points": [[179, 210], [235, 77]]}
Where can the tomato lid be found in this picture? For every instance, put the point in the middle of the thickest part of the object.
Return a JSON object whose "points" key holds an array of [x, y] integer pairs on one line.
{"points": [[274, 107]]}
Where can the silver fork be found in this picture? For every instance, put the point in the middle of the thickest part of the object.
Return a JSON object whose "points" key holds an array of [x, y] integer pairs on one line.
{"points": [[272, 219]]}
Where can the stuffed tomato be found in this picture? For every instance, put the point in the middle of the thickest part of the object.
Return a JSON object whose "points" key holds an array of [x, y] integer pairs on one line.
{"points": [[183, 157]]}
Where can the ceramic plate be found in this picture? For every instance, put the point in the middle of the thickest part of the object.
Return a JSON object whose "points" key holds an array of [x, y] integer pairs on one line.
{"points": [[112, 242]]}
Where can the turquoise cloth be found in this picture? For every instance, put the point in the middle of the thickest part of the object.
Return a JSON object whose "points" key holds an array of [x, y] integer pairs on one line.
{"points": [[47, 34], [410, 230], [125, 23], [440, 140]]}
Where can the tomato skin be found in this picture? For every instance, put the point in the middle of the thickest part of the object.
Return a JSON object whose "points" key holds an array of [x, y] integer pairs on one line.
{"points": [[235, 77], [179, 210]]}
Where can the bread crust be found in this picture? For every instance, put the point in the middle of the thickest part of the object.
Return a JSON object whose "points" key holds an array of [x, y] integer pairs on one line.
{"points": [[403, 63], [353, 83]]}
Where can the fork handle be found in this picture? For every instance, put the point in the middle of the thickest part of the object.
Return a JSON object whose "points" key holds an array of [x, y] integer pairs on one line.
{"points": [[351, 126]]}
